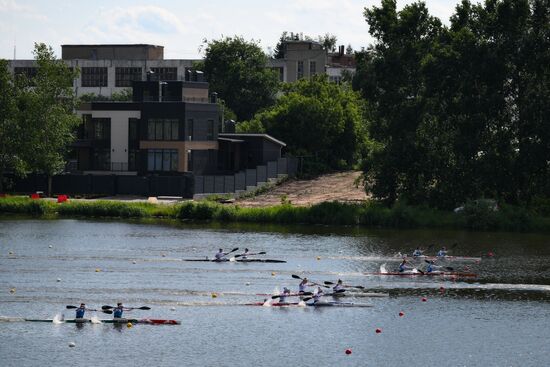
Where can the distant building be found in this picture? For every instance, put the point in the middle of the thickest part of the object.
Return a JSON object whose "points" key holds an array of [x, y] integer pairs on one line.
{"points": [[340, 63]]}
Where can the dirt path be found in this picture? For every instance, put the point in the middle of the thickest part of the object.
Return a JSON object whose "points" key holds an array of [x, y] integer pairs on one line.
{"points": [[330, 187]]}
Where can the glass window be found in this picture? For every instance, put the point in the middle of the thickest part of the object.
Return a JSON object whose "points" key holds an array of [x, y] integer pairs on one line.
{"points": [[174, 163], [190, 129], [210, 131], [158, 160], [175, 128], [94, 77], [150, 160], [300, 70], [165, 73], [312, 68], [167, 129], [158, 130], [125, 76], [189, 160]]}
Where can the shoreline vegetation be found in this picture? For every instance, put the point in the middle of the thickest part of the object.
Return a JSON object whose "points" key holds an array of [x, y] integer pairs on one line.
{"points": [[368, 214]]}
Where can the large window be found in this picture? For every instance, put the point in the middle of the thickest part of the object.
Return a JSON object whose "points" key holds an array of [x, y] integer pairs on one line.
{"points": [[102, 128], [125, 76], [312, 68], [29, 72], [162, 160], [94, 77], [165, 73], [132, 159], [190, 134], [300, 71], [101, 159], [162, 129]]}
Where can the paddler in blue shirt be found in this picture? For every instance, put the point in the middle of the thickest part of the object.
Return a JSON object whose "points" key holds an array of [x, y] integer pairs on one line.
{"points": [[220, 255], [339, 286], [80, 311], [284, 295], [417, 252], [117, 311], [432, 267], [403, 266], [442, 252]]}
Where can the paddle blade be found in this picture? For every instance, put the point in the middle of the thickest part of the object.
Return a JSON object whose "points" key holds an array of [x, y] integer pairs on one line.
{"points": [[275, 297], [144, 308], [106, 307], [69, 306], [358, 287], [261, 253], [107, 311], [328, 283], [235, 249], [307, 299], [238, 256], [296, 276], [340, 291], [450, 268]]}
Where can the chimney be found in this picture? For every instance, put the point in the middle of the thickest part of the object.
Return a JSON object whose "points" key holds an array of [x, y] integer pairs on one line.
{"points": [[341, 50]]}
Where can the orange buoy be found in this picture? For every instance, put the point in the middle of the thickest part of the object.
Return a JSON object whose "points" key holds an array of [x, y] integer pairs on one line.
{"points": [[401, 314]]}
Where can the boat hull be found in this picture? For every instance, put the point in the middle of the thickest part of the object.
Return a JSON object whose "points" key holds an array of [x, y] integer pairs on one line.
{"points": [[238, 260], [112, 321]]}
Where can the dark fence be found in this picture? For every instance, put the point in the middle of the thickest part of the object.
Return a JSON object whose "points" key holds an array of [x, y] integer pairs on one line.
{"points": [[110, 185], [249, 177]]}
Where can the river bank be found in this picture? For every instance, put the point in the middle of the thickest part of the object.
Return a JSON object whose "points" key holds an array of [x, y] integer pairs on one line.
{"points": [[369, 214]]}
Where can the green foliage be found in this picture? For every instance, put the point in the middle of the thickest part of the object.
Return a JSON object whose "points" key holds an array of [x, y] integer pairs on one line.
{"points": [[319, 120], [461, 112], [122, 96], [102, 208], [251, 126], [26, 205], [236, 70]]}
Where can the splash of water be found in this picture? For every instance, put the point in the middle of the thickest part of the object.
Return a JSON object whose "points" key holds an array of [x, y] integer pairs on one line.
{"points": [[58, 319]]}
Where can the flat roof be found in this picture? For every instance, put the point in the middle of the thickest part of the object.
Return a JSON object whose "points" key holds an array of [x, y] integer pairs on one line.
{"points": [[113, 45], [265, 136]]}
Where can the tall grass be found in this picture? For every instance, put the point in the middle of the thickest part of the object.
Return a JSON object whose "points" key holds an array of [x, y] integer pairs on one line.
{"points": [[371, 214]]}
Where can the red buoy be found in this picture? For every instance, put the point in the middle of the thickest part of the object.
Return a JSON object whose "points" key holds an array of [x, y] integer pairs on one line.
{"points": [[348, 351], [401, 314], [490, 254], [378, 331], [424, 299]]}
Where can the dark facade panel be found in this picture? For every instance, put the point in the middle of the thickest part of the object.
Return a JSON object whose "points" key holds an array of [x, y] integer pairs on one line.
{"points": [[240, 181], [133, 185], [261, 173], [72, 184], [199, 185], [272, 169], [282, 166], [251, 177], [229, 183], [105, 185], [208, 184], [112, 52], [219, 184]]}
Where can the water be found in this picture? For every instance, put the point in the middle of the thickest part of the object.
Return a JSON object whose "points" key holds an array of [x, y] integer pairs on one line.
{"points": [[500, 318]]}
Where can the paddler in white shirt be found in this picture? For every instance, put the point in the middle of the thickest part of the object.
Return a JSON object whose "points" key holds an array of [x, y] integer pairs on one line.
{"points": [[317, 296], [339, 286], [302, 286], [442, 252], [244, 255], [417, 252], [220, 255]]}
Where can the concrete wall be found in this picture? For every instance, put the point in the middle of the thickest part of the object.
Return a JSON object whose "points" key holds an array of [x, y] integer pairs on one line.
{"points": [[114, 52]]}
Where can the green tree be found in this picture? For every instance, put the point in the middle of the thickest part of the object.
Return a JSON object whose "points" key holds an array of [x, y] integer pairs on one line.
{"points": [[328, 41], [318, 119], [47, 113], [236, 70], [279, 51], [11, 135]]}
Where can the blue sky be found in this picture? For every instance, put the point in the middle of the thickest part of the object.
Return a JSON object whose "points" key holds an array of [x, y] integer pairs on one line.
{"points": [[181, 26]]}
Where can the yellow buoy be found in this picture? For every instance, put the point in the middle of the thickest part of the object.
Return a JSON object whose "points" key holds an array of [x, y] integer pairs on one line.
{"points": [[273, 274], [97, 270], [12, 290], [214, 295], [129, 324], [318, 257]]}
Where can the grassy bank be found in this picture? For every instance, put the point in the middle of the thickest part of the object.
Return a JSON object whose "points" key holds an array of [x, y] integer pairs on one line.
{"points": [[330, 213]]}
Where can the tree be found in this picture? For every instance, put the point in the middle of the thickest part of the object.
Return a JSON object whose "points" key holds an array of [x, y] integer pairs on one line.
{"points": [[328, 41], [236, 70], [10, 132], [279, 52], [318, 119], [47, 113], [349, 50]]}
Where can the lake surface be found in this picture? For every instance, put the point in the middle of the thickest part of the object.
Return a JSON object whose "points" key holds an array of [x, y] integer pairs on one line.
{"points": [[499, 318]]}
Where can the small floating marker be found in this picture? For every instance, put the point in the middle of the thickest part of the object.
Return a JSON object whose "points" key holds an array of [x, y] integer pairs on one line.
{"points": [[272, 274], [97, 270], [214, 295], [10, 253], [50, 246], [163, 255], [172, 309], [318, 257], [72, 344], [12, 290], [129, 325], [401, 314], [424, 299], [348, 351], [58, 279], [247, 283], [378, 331], [134, 262], [490, 254]]}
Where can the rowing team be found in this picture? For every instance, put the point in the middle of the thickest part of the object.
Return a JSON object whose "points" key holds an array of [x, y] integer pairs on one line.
{"points": [[117, 311], [317, 294], [221, 256], [404, 266], [441, 253]]}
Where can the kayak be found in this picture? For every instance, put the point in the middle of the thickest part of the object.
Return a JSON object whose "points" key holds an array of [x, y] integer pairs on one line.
{"points": [[433, 273], [238, 260], [442, 258], [112, 321], [348, 293], [318, 304]]}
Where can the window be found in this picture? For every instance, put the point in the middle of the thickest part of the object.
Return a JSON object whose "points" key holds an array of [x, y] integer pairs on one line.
{"points": [[132, 159], [189, 160], [101, 128], [101, 159], [165, 73], [190, 129], [162, 160], [300, 73], [280, 73], [125, 76], [162, 129], [27, 72], [133, 130], [312, 68], [94, 77], [210, 130]]}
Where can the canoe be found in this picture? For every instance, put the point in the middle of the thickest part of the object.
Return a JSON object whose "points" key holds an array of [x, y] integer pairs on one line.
{"points": [[238, 260], [442, 258], [112, 321]]}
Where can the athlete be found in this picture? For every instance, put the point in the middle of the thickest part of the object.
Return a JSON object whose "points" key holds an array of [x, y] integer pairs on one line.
{"points": [[284, 295], [442, 252], [417, 252], [432, 267], [339, 286], [80, 311], [117, 311], [220, 255], [245, 254], [317, 296], [404, 266], [302, 286]]}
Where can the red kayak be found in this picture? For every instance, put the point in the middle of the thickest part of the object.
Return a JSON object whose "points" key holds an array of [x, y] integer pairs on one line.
{"points": [[433, 273]]}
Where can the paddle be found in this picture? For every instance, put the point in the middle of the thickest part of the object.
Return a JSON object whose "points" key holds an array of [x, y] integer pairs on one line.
{"points": [[295, 295], [349, 286], [91, 309], [313, 283], [127, 308], [258, 253], [444, 267]]}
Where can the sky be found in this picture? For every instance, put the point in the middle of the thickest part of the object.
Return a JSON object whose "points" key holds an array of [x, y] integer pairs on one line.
{"points": [[182, 26]]}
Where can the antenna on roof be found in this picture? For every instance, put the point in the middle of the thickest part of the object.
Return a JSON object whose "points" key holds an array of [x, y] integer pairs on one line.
{"points": [[14, 47]]}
